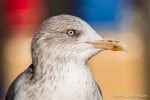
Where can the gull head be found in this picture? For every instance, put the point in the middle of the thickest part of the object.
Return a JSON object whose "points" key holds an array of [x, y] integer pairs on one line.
{"points": [[70, 38]]}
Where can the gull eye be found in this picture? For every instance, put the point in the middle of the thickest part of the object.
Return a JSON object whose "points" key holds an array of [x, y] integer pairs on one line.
{"points": [[70, 32]]}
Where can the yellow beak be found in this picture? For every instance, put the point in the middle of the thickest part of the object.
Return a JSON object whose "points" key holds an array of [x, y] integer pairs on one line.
{"points": [[109, 44]]}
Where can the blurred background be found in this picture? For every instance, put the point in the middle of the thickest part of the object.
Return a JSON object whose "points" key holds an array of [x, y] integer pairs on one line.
{"points": [[121, 75]]}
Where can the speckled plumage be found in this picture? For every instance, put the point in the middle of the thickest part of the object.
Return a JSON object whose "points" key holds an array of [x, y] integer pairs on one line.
{"points": [[59, 70]]}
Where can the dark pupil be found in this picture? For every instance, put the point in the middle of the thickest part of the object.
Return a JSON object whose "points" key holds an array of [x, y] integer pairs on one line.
{"points": [[71, 32]]}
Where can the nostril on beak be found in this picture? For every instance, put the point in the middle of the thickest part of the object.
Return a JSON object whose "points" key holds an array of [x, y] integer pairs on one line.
{"points": [[110, 40]]}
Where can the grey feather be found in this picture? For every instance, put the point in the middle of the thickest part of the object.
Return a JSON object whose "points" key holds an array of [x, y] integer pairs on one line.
{"points": [[99, 90], [12, 89]]}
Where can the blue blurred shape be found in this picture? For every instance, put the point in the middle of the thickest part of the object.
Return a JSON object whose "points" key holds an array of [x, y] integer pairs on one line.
{"points": [[101, 12]]}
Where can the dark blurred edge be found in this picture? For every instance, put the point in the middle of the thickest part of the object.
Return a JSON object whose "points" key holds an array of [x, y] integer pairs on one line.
{"points": [[2, 39], [143, 7], [57, 7]]}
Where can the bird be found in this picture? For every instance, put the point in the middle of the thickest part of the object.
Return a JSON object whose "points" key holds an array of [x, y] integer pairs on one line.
{"points": [[60, 49]]}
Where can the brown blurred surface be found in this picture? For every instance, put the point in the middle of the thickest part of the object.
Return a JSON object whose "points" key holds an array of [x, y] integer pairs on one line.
{"points": [[17, 58], [122, 73]]}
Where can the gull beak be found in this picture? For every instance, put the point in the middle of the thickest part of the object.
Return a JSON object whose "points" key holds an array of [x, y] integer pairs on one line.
{"points": [[109, 44]]}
